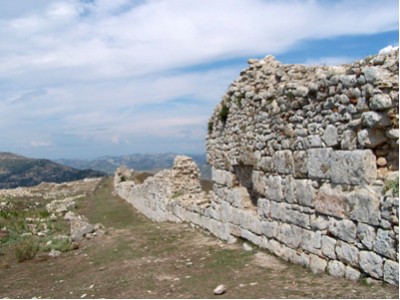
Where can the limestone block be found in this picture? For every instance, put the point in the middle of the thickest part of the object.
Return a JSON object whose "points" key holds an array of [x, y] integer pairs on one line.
{"points": [[336, 268], [330, 200], [391, 272], [289, 235], [250, 236], [347, 253], [239, 197], [269, 228], [300, 164], [263, 208], [384, 244], [314, 141], [353, 167], [372, 264], [223, 177], [348, 80], [328, 245], [305, 192], [259, 182], [317, 264], [288, 185], [275, 247], [266, 164], [370, 138], [366, 234], [363, 205], [372, 74], [393, 133], [234, 215], [283, 162], [249, 221], [319, 163], [273, 188], [352, 274], [297, 218], [278, 210], [319, 222], [344, 229], [380, 102], [311, 241], [330, 136], [299, 258], [374, 119]]}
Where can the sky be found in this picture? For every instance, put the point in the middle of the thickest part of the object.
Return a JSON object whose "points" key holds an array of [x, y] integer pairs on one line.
{"points": [[87, 78]]}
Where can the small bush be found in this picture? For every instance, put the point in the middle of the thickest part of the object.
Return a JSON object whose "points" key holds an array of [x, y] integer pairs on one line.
{"points": [[177, 194], [223, 114], [210, 127], [26, 249], [123, 178], [239, 102], [393, 185], [63, 245]]}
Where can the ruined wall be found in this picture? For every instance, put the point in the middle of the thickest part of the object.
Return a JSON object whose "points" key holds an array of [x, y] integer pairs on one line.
{"points": [[313, 146], [301, 158]]}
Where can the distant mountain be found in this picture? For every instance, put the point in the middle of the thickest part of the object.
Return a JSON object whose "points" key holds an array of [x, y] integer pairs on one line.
{"points": [[148, 162], [16, 170]]}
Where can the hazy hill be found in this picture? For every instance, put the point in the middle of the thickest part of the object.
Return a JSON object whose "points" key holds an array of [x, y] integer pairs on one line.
{"points": [[16, 170], [149, 162]]}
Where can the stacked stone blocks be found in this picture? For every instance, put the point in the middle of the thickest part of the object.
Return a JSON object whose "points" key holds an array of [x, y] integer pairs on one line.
{"points": [[300, 165]]}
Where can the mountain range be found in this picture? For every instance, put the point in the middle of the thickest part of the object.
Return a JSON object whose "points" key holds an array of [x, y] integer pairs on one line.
{"points": [[149, 162], [16, 170]]}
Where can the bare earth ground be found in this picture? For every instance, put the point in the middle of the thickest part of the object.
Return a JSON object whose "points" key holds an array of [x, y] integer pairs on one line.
{"points": [[141, 259]]}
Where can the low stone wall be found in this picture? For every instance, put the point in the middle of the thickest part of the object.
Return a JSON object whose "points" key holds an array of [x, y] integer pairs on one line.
{"points": [[302, 237]]}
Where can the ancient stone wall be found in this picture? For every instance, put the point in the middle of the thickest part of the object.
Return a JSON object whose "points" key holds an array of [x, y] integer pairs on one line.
{"points": [[315, 148], [304, 163]]}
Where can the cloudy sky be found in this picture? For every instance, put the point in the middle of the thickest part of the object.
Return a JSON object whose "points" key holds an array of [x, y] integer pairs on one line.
{"points": [[85, 78]]}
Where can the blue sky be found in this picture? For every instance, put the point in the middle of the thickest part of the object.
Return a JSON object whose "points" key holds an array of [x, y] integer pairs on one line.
{"points": [[81, 79]]}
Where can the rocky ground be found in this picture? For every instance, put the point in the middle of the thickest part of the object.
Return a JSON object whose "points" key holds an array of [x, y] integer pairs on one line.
{"points": [[132, 257]]}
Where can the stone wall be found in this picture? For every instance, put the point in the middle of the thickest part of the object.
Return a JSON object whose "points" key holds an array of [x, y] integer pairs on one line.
{"points": [[302, 158], [315, 148]]}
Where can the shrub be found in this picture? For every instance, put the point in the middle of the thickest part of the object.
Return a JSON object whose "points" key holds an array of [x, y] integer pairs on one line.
{"points": [[223, 114], [393, 185], [210, 127], [26, 249]]}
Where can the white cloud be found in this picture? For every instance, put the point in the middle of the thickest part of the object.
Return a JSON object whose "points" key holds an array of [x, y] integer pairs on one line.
{"points": [[102, 69], [36, 144], [388, 49]]}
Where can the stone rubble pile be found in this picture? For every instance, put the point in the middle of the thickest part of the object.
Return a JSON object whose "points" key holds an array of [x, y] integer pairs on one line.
{"points": [[80, 226], [303, 163]]}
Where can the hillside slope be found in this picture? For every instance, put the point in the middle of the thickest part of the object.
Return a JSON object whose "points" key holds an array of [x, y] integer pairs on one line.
{"points": [[16, 170]]}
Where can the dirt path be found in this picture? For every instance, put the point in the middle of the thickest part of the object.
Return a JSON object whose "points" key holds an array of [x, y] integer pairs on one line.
{"points": [[141, 259]]}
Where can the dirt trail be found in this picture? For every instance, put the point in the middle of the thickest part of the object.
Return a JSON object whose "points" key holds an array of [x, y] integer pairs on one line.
{"points": [[141, 259]]}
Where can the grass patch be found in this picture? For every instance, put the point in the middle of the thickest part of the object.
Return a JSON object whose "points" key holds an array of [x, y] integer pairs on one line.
{"points": [[223, 114], [26, 249], [105, 208], [393, 185], [210, 127], [229, 258]]}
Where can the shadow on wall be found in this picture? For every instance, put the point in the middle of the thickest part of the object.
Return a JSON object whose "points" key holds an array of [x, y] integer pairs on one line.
{"points": [[244, 176]]}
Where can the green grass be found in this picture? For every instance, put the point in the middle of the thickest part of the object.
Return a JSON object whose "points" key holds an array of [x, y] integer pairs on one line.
{"points": [[228, 258], [223, 114], [26, 249], [99, 209], [393, 185]]}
